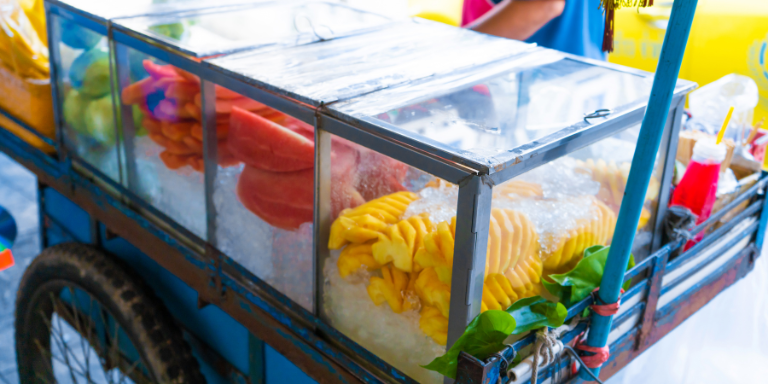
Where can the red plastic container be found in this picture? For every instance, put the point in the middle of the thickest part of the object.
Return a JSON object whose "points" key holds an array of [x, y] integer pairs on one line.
{"points": [[697, 190]]}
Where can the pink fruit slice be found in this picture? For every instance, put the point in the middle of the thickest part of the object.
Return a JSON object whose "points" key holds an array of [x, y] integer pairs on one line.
{"points": [[277, 214], [158, 71], [137, 92], [290, 188], [263, 144], [223, 93]]}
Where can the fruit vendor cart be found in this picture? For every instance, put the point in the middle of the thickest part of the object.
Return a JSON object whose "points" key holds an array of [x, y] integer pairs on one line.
{"points": [[325, 194]]}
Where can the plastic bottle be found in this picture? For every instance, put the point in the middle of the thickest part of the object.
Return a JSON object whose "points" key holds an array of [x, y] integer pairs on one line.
{"points": [[697, 190]]}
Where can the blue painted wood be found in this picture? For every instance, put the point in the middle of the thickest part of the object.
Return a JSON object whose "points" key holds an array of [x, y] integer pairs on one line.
{"points": [[642, 166], [763, 217], [744, 233], [690, 254]]}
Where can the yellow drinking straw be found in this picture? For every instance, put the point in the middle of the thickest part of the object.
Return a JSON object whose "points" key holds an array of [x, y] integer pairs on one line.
{"points": [[725, 125]]}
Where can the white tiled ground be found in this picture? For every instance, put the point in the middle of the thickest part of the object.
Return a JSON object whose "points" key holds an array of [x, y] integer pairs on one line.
{"points": [[18, 194], [726, 342]]}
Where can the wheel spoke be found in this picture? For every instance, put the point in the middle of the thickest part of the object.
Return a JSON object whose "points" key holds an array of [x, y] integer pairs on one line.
{"points": [[65, 351], [99, 334], [61, 310], [84, 343]]}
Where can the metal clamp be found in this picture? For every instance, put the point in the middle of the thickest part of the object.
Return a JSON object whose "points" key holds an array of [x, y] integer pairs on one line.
{"points": [[603, 112]]}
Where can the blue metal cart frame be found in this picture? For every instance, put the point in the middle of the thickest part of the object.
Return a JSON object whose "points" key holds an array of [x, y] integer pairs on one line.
{"points": [[78, 204]]}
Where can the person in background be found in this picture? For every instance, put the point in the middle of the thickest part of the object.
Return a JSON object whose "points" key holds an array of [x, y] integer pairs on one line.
{"points": [[573, 26]]}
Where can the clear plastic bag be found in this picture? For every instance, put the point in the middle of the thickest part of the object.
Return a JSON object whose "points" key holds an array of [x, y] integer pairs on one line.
{"points": [[25, 88]]}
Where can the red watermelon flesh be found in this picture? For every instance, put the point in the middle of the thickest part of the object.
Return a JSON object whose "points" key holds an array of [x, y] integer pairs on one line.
{"points": [[250, 189], [290, 188], [267, 161], [253, 139]]}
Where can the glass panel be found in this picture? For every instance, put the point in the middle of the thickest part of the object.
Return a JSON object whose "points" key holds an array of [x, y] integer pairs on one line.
{"points": [[104, 10], [163, 137], [85, 96], [341, 69], [387, 282], [228, 29], [543, 220], [264, 193], [522, 103]]}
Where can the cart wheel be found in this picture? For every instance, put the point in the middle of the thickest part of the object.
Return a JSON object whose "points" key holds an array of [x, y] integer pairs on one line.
{"points": [[84, 317]]}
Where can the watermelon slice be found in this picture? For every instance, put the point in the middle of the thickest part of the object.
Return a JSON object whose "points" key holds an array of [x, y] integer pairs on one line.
{"points": [[290, 188], [263, 144], [251, 188]]}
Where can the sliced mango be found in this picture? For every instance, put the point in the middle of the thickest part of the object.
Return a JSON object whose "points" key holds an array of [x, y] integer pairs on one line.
{"points": [[518, 188], [390, 288], [400, 242], [598, 230], [432, 291], [369, 220], [434, 324], [437, 250], [354, 257]]}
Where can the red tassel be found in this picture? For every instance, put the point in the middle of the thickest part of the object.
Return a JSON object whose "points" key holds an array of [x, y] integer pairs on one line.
{"points": [[608, 33]]}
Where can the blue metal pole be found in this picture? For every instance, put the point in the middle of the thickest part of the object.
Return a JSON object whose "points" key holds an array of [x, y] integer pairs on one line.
{"points": [[642, 166], [764, 214]]}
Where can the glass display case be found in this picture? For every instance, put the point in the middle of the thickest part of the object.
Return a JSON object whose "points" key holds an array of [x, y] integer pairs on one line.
{"points": [[389, 179], [165, 110], [478, 167], [224, 30], [81, 70]]}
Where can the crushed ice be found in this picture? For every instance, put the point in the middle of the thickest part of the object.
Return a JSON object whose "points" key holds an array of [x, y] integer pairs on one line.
{"points": [[439, 202], [396, 338]]}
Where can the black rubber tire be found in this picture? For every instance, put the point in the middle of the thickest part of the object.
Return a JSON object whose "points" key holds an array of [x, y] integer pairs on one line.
{"points": [[117, 288]]}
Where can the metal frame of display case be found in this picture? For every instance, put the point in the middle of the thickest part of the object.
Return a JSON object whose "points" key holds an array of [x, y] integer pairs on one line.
{"points": [[475, 184], [299, 334], [475, 180]]}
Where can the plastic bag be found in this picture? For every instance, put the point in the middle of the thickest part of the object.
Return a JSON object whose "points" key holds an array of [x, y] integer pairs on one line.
{"points": [[25, 88], [21, 48]]}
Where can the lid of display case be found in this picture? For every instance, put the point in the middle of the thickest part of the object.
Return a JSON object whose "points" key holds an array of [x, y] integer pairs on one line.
{"points": [[491, 117], [340, 69], [210, 32], [105, 10]]}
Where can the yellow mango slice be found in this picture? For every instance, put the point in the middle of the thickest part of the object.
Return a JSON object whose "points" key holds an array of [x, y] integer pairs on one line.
{"points": [[390, 288], [518, 188], [524, 280], [366, 222], [432, 291], [400, 242], [598, 230], [434, 324], [354, 257], [437, 250]]}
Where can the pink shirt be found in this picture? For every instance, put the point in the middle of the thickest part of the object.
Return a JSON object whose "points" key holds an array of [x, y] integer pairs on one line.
{"points": [[474, 9]]}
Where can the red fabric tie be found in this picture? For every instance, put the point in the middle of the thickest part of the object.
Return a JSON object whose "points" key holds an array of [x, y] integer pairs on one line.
{"points": [[600, 355], [597, 360], [605, 309]]}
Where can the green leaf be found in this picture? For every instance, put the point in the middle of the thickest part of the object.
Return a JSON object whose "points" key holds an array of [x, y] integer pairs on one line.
{"points": [[575, 285], [483, 337], [536, 312]]}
